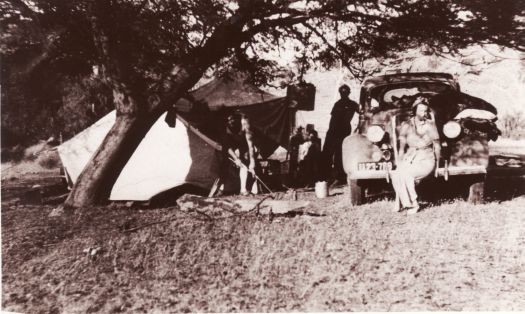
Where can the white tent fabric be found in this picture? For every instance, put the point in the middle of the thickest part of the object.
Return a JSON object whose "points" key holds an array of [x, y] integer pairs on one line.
{"points": [[166, 158]]}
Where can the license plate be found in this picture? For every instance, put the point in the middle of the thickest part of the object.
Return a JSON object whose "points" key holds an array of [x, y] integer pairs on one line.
{"points": [[374, 166]]}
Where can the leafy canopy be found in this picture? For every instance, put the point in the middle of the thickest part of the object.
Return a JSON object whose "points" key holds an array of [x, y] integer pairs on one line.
{"points": [[148, 37], [138, 43]]}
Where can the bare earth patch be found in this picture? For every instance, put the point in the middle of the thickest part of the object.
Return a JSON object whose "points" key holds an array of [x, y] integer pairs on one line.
{"points": [[453, 256]]}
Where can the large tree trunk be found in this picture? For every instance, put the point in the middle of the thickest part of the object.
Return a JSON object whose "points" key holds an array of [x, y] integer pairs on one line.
{"points": [[136, 115], [132, 123], [96, 180]]}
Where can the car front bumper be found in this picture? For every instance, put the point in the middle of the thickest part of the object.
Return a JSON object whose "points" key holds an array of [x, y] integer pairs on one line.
{"points": [[442, 172]]}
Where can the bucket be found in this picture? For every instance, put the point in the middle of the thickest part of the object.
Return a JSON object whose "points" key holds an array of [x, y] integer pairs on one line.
{"points": [[321, 189]]}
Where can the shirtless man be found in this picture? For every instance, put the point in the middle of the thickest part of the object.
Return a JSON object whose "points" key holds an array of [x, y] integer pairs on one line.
{"points": [[238, 146]]}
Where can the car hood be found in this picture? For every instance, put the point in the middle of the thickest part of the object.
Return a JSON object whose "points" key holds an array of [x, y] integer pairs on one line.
{"points": [[447, 105]]}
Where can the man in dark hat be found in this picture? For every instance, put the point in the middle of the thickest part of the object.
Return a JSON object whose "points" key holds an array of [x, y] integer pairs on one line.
{"points": [[339, 128]]}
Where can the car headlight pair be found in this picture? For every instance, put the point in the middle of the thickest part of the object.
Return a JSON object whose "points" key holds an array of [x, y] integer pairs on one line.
{"points": [[375, 133]]}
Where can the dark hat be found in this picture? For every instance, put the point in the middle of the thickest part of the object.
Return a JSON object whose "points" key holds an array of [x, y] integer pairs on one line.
{"points": [[310, 127]]}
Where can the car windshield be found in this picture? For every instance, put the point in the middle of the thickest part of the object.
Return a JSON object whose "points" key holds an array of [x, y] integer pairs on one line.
{"points": [[401, 95]]}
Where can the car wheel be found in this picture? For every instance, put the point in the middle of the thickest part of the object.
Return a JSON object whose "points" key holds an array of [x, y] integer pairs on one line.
{"points": [[476, 191], [355, 192]]}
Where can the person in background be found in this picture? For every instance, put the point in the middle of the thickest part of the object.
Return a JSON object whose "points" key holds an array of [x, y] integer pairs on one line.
{"points": [[311, 132], [238, 146], [296, 140], [309, 154], [419, 152], [339, 128], [315, 150]]}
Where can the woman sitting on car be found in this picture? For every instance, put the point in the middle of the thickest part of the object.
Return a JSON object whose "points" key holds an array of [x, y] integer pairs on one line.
{"points": [[419, 151]]}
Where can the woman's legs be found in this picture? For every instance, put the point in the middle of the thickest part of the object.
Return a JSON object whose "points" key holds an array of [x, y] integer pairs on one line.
{"points": [[403, 181], [410, 186], [411, 189], [396, 184], [412, 171], [399, 184]]}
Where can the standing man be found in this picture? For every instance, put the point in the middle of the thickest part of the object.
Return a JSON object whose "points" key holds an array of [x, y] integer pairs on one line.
{"points": [[339, 128], [238, 146]]}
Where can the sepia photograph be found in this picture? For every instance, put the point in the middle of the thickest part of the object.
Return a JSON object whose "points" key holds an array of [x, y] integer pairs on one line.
{"points": [[235, 156]]}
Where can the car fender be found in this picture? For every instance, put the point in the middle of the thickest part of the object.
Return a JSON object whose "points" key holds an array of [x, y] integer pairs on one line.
{"points": [[356, 148]]}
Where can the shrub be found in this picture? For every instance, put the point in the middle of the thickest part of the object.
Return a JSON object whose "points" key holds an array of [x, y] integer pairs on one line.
{"points": [[65, 105], [48, 159], [512, 125], [15, 153], [83, 103]]}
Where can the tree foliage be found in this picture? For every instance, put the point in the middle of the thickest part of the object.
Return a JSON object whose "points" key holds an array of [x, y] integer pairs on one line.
{"points": [[43, 62], [140, 41]]}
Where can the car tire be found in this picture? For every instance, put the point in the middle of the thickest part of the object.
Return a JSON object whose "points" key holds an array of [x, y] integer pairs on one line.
{"points": [[476, 191], [355, 192]]}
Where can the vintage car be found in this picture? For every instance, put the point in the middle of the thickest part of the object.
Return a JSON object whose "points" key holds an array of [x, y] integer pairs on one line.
{"points": [[465, 124]]}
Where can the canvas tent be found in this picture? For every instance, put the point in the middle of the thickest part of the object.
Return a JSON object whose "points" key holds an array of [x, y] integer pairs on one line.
{"points": [[207, 107], [190, 152]]}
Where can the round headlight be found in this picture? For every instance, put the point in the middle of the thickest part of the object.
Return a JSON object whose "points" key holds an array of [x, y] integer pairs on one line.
{"points": [[375, 133], [452, 129]]}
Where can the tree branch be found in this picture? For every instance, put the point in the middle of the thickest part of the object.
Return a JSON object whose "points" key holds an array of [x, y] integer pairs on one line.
{"points": [[26, 9], [269, 24], [182, 77], [341, 56]]}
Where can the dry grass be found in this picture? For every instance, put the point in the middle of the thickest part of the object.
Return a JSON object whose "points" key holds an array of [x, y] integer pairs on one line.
{"points": [[450, 257]]}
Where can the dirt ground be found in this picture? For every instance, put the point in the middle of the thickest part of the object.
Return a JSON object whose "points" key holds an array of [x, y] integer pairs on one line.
{"points": [[332, 257]]}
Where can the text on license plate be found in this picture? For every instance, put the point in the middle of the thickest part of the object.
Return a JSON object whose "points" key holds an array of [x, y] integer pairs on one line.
{"points": [[374, 166]]}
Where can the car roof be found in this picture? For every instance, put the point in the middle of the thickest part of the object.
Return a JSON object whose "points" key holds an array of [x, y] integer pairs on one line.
{"points": [[372, 82]]}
